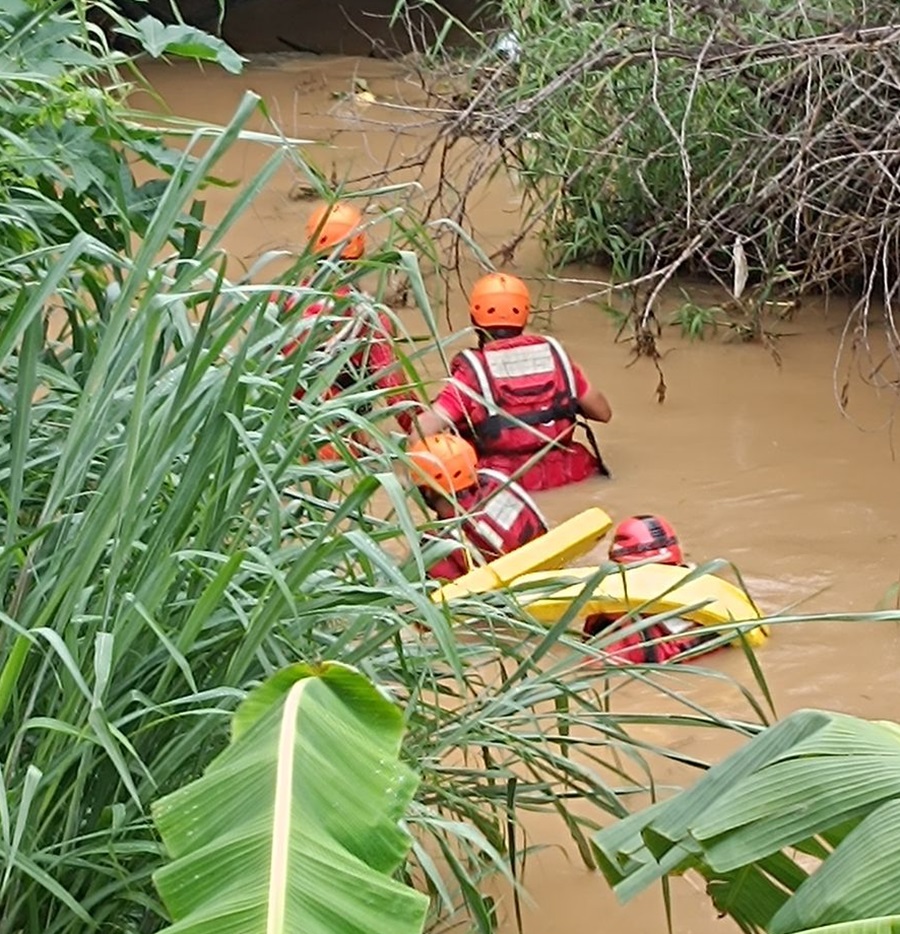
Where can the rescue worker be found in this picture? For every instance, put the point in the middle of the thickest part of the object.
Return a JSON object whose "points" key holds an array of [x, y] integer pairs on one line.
{"points": [[648, 539], [339, 226], [517, 395], [497, 515]]}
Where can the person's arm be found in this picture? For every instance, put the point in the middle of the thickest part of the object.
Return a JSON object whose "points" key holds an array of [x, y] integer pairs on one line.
{"points": [[450, 567], [454, 405], [454, 564], [591, 402], [398, 391], [390, 378], [594, 405], [431, 421]]}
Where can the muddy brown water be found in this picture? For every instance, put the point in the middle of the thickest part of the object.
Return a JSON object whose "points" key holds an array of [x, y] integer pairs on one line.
{"points": [[750, 461]]}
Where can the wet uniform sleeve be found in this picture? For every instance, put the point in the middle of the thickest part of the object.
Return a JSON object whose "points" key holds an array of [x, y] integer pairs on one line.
{"points": [[450, 567], [456, 398], [286, 306], [384, 366], [582, 385]]}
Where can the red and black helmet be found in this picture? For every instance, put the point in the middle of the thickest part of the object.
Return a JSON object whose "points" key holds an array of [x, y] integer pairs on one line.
{"points": [[645, 538]]}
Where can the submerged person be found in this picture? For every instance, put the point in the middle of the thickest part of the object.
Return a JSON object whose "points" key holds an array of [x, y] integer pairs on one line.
{"points": [[648, 539], [333, 228], [496, 515], [517, 395]]}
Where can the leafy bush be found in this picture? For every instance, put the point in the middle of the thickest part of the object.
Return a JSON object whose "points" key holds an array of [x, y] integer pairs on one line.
{"points": [[656, 137], [67, 143]]}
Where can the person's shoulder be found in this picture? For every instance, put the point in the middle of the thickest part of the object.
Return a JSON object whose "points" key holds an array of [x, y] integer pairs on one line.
{"points": [[556, 343], [492, 475], [491, 479], [462, 359]]}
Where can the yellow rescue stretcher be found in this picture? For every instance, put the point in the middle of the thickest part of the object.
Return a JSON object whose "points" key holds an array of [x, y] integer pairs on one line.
{"points": [[554, 549], [652, 588]]}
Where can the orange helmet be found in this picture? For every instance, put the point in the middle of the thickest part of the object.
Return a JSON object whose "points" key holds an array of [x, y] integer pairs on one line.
{"points": [[446, 460], [500, 301], [330, 225]]}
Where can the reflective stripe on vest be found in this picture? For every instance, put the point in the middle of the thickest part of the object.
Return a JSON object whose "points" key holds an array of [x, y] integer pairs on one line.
{"points": [[566, 363], [501, 510], [534, 359], [676, 626], [530, 359], [514, 498], [527, 360], [483, 529]]}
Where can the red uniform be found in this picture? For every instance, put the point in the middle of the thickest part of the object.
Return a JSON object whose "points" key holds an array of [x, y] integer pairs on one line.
{"points": [[642, 647], [375, 358], [532, 379], [499, 517]]}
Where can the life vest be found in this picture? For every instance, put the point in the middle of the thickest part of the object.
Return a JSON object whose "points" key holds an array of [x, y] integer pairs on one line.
{"points": [[653, 645], [454, 564], [500, 515], [354, 331], [350, 331], [527, 379]]}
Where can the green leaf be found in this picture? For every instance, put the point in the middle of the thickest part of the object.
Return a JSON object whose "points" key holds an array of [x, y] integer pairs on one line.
{"points": [[295, 826], [798, 830], [646, 850], [179, 39], [859, 880], [889, 925]]}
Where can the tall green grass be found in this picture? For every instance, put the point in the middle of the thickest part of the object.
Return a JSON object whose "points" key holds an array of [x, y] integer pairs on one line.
{"points": [[169, 538]]}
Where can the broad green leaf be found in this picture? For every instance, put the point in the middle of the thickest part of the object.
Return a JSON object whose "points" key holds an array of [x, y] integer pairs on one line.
{"points": [[858, 880], [752, 894], [889, 925], [159, 39], [798, 830], [295, 826], [14, 8], [644, 847], [791, 801]]}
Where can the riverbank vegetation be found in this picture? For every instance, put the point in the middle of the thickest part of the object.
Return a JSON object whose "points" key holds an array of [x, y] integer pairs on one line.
{"points": [[752, 143], [170, 538]]}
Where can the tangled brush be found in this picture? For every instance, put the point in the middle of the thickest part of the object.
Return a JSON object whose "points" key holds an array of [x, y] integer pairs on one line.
{"points": [[756, 143]]}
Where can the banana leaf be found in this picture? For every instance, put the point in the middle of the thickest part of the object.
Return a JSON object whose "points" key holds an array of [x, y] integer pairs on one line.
{"points": [[797, 831], [294, 827], [889, 925]]}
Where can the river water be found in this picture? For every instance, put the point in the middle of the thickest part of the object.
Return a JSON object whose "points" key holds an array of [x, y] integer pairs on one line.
{"points": [[749, 460]]}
